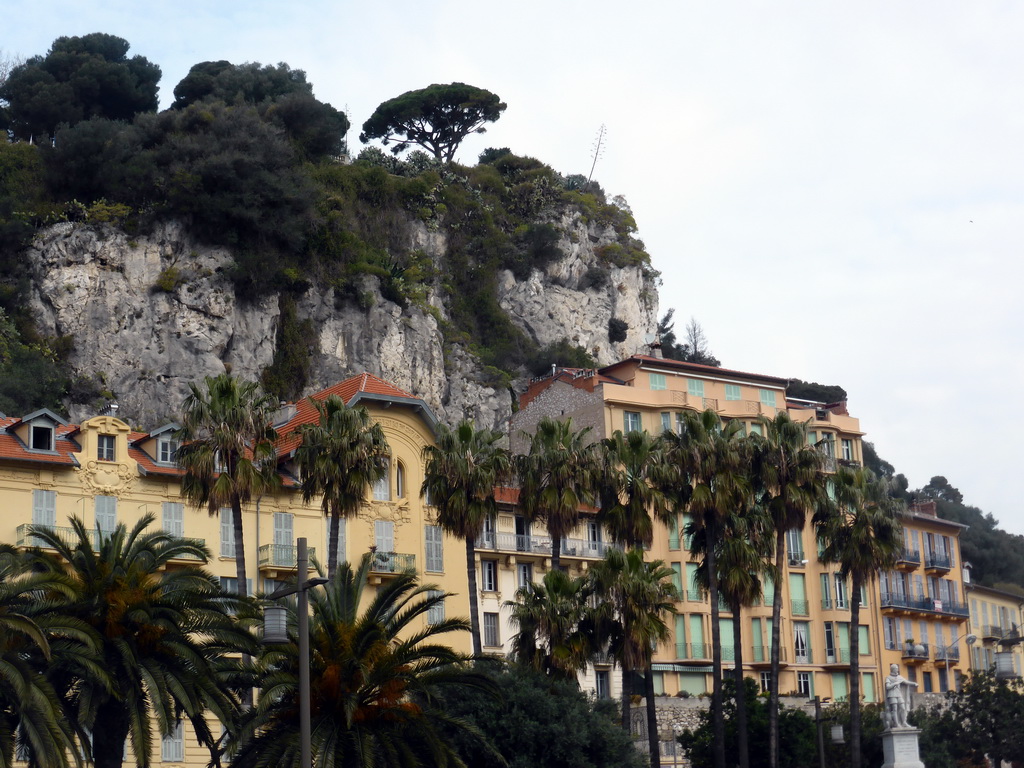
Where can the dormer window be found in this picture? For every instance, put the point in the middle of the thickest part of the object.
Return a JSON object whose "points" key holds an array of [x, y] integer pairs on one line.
{"points": [[166, 449], [41, 436], [105, 448]]}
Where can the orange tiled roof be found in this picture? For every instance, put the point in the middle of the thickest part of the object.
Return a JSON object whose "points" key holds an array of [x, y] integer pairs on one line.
{"points": [[696, 367], [11, 448], [146, 464], [306, 413]]}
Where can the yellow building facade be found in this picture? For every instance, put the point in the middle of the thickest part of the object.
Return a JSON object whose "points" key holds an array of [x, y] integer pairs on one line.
{"points": [[996, 620], [651, 393], [105, 473], [923, 603]]}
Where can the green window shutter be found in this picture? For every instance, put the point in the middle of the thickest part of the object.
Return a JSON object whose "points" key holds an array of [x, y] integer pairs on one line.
{"points": [[732, 391], [658, 381], [673, 533], [839, 688], [691, 581], [687, 539], [862, 638], [767, 397], [756, 640], [695, 387], [868, 686], [677, 577], [680, 637]]}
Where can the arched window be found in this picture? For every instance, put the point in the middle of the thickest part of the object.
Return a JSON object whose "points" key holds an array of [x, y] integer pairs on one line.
{"points": [[400, 479], [382, 488]]}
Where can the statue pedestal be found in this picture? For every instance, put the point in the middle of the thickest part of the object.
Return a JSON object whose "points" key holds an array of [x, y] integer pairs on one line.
{"points": [[900, 748]]}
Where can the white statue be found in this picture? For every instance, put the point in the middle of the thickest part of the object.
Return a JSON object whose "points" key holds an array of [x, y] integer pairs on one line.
{"points": [[897, 695]]}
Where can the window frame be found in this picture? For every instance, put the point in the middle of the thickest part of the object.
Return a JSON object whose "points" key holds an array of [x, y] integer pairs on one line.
{"points": [[628, 418], [491, 630], [106, 447], [42, 427], [695, 387], [380, 490], [733, 392], [658, 382], [767, 397], [488, 575]]}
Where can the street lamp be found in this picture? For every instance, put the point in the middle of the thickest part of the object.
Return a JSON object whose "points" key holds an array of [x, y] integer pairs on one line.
{"points": [[275, 632]]}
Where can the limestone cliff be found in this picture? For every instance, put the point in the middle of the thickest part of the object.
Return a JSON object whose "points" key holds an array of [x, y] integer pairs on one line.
{"points": [[151, 314]]}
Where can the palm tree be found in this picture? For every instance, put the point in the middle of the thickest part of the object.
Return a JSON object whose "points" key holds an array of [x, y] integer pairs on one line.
{"points": [[460, 473], [35, 636], [791, 486], [631, 494], [227, 451], [554, 622], [863, 534], [374, 677], [639, 594], [557, 477], [163, 634], [710, 482], [338, 458], [742, 557]]}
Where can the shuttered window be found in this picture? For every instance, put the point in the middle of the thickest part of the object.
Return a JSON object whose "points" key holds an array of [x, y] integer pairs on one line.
{"points": [[174, 518], [106, 513], [173, 748], [227, 533], [433, 537]]}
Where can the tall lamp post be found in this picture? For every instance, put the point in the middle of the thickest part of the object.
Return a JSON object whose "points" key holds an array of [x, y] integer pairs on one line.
{"points": [[275, 632]]}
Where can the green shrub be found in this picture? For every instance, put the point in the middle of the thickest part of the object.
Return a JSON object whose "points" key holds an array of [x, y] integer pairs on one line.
{"points": [[168, 280]]}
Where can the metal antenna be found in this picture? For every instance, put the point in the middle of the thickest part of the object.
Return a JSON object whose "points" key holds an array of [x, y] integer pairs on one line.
{"points": [[598, 152]]}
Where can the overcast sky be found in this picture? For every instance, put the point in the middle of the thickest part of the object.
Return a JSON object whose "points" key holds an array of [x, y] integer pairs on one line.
{"points": [[833, 190]]}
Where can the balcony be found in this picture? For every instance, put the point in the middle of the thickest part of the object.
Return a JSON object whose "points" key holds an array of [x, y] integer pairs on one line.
{"points": [[694, 596], [693, 651], [274, 557], [762, 655], [991, 632], [939, 562], [803, 656], [850, 463], [392, 562], [947, 655], [908, 560], [916, 653], [827, 604], [838, 657], [797, 559], [911, 604], [529, 544], [799, 607], [70, 537]]}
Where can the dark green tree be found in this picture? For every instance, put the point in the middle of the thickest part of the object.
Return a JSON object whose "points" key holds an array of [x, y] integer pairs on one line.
{"points": [[710, 481], [79, 78], [282, 95], [227, 451], [637, 596], [797, 735], [164, 634], [863, 534], [536, 721], [694, 349], [436, 118], [339, 457], [791, 485], [377, 673], [553, 619], [460, 472], [558, 476]]}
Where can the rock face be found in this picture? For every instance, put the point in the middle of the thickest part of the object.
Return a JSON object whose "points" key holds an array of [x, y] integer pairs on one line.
{"points": [[153, 314]]}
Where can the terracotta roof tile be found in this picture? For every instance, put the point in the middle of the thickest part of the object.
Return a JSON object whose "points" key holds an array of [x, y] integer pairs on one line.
{"points": [[11, 448], [306, 413], [695, 366]]}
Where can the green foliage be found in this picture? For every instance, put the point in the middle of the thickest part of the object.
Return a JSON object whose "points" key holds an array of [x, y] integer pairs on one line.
{"points": [[281, 94], [694, 350], [797, 734], [168, 280], [436, 118], [78, 79], [617, 329], [563, 354], [821, 393], [31, 376], [287, 375], [539, 722], [984, 719], [871, 727]]}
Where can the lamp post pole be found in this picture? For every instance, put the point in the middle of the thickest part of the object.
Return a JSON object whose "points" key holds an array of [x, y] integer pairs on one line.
{"points": [[275, 632], [302, 567]]}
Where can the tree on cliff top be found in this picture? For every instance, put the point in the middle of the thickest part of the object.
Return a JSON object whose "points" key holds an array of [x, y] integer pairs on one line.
{"points": [[281, 94], [436, 118], [79, 78]]}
